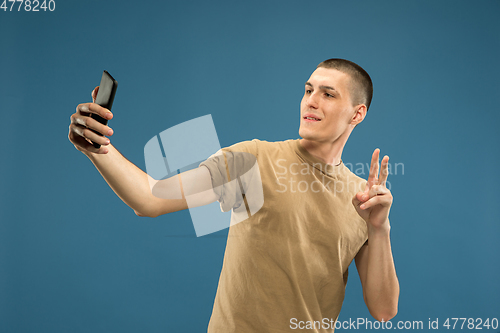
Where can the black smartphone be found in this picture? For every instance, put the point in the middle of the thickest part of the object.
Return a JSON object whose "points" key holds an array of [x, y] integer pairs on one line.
{"points": [[104, 98]]}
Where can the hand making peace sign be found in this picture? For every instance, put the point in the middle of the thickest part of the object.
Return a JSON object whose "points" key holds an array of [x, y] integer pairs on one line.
{"points": [[374, 203]]}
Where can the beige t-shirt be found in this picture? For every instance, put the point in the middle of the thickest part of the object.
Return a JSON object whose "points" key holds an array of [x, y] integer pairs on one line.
{"points": [[288, 262]]}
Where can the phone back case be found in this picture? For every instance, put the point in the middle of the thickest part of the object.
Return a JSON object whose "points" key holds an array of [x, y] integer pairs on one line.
{"points": [[105, 97]]}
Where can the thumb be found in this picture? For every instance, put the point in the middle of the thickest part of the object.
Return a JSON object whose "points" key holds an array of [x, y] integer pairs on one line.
{"points": [[94, 94]]}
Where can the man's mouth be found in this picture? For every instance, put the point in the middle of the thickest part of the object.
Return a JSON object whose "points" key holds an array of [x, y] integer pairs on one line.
{"points": [[311, 119]]}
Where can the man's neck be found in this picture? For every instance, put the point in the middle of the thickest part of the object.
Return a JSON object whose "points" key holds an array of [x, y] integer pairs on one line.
{"points": [[328, 152]]}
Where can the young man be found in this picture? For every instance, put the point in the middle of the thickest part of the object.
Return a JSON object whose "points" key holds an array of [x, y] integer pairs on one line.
{"points": [[285, 267]]}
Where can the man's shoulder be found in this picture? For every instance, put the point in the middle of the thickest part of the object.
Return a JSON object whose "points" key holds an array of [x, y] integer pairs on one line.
{"points": [[350, 173], [256, 146], [265, 142], [356, 182]]}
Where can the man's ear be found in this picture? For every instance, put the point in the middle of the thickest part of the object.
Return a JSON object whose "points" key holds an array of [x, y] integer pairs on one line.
{"points": [[359, 114]]}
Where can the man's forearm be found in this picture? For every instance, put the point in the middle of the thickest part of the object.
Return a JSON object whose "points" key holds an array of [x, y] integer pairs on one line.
{"points": [[382, 289], [128, 181]]}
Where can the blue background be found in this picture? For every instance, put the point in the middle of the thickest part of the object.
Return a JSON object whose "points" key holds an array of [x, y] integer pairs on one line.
{"points": [[74, 257]]}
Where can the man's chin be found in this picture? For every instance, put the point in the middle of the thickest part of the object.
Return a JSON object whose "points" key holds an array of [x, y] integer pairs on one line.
{"points": [[307, 134]]}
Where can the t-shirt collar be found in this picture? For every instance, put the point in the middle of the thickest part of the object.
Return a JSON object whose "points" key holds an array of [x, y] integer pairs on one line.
{"points": [[315, 162]]}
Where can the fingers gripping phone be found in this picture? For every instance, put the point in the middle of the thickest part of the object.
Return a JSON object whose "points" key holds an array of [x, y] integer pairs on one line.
{"points": [[104, 98]]}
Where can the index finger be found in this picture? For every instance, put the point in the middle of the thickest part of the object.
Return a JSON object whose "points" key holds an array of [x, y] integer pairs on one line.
{"points": [[88, 108], [373, 176]]}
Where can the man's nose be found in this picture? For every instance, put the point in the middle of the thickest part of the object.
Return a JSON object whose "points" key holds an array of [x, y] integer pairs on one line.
{"points": [[312, 101]]}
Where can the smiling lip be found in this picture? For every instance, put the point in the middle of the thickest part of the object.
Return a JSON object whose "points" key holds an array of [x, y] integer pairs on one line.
{"points": [[309, 115]]}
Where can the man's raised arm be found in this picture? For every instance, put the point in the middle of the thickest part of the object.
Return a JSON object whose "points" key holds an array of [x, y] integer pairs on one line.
{"points": [[374, 261], [129, 182]]}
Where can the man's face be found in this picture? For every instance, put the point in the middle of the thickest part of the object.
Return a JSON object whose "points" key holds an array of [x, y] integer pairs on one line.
{"points": [[327, 99]]}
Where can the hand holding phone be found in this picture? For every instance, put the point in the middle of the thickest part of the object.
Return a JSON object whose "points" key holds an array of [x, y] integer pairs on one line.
{"points": [[104, 98]]}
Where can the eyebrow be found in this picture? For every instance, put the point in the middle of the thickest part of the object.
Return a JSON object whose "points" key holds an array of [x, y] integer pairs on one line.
{"points": [[323, 87]]}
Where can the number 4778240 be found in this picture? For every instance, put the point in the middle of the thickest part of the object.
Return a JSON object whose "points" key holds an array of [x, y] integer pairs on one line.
{"points": [[29, 6]]}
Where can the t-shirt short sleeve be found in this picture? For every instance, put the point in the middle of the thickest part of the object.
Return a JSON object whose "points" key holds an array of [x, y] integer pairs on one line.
{"points": [[226, 167]]}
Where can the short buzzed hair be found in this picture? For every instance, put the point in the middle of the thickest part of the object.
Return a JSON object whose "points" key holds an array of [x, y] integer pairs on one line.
{"points": [[361, 89]]}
